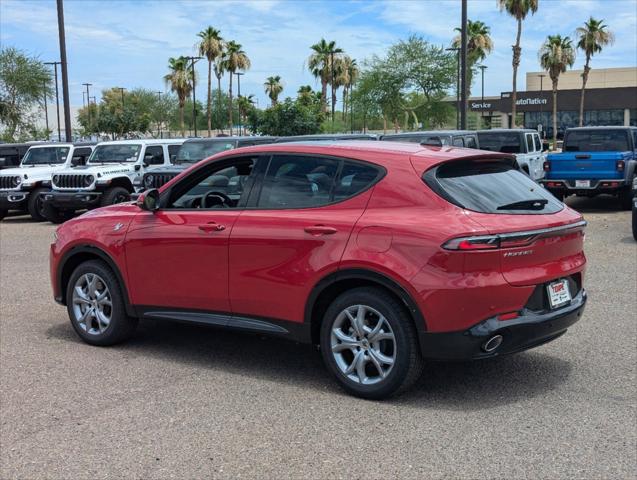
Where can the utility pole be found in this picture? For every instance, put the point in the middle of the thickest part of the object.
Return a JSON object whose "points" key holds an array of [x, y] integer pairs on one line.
{"points": [[541, 75], [332, 85], [65, 76], [463, 55], [46, 113], [159, 120], [194, 103], [88, 103], [121, 90], [457, 50], [483, 68], [238, 74], [57, 96]]}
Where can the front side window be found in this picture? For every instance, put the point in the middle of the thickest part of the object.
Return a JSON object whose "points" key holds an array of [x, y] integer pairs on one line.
{"points": [[172, 151], [45, 156], [192, 152], [538, 142], [215, 186], [154, 155], [80, 155], [597, 140], [458, 142], [529, 143], [115, 153], [471, 142]]}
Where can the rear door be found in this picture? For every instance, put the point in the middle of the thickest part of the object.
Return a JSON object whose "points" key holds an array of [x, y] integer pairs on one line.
{"points": [[295, 231]]}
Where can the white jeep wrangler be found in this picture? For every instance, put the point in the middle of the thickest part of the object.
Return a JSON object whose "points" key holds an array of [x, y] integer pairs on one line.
{"points": [[21, 188], [113, 172], [525, 144]]}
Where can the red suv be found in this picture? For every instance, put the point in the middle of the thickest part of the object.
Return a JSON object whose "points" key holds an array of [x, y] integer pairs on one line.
{"points": [[384, 254]]}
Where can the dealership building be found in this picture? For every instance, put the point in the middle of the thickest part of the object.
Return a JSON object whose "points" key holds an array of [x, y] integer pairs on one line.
{"points": [[610, 99]]}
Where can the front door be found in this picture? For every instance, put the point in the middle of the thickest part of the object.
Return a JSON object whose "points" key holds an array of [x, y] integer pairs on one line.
{"points": [[178, 256]]}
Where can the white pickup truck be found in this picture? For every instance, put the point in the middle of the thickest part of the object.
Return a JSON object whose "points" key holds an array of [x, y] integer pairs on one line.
{"points": [[21, 188], [112, 173], [525, 144]]}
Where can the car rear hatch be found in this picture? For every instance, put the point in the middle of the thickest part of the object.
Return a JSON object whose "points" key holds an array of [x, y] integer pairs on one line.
{"points": [[535, 237]]}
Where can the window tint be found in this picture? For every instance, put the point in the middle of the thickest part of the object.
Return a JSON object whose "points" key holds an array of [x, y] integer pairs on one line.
{"points": [[471, 142], [491, 187], [529, 143], [458, 142], [298, 181], [215, 186], [354, 178], [538, 143], [154, 155], [505, 142], [596, 141]]}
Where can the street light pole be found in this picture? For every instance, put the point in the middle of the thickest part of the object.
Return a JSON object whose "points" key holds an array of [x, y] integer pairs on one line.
{"points": [[194, 102], [463, 55], [88, 103], [65, 76], [46, 113], [159, 119], [483, 68], [541, 75], [57, 96], [238, 74], [332, 86], [457, 50], [121, 90]]}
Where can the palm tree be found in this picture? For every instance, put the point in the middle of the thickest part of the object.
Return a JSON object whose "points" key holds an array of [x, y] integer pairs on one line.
{"points": [[306, 95], [273, 88], [220, 69], [320, 64], [210, 46], [347, 69], [180, 81], [235, 59], [518, 9], [556, 55], [245, 103], [592, 37], [479, 45]]}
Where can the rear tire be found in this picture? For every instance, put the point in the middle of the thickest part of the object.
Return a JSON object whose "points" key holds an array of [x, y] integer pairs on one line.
{"points": [[378, 343], [56, 216], [35, 204], [559, 195], [635, 223], [114, 195], [95, 305]]}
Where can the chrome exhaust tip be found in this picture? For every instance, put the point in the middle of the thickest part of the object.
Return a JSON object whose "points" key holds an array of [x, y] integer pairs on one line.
{"points": [[492, 344]]}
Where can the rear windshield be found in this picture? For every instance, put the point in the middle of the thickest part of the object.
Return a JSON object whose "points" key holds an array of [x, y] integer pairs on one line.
{"points": [[192, 152], [505, 142], [490, 187], [596, 141]]}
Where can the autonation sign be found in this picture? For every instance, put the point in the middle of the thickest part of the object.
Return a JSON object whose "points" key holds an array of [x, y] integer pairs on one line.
{"points": [[531, 101]]}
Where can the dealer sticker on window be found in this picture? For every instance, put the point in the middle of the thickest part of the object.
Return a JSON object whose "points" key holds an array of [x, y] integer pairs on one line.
{"points": [[582, 183], [559, 293]]}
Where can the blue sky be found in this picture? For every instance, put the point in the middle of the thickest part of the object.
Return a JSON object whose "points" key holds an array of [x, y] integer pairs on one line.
{"points": [[127, 43]]}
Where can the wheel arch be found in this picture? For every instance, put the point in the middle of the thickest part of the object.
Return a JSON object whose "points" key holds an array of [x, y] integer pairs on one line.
{"points": [[328, 288], [123, 182], [84, 253]]}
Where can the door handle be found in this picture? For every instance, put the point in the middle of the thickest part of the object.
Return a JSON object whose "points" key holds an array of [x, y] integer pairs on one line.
{"points": [[212, 227], [320, 230]]}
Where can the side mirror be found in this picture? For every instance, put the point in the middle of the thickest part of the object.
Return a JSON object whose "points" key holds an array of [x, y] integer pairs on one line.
{"points": [[149, 200], [138, 167], [77, 161]]}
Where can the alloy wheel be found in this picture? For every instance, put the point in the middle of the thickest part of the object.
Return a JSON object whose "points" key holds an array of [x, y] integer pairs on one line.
{"points": [[92, 304], [363, 344]]}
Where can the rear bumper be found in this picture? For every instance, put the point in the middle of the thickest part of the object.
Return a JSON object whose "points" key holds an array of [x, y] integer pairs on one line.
{"points": [[526, 331], [13, 200], [611, 185], [76, 200]]}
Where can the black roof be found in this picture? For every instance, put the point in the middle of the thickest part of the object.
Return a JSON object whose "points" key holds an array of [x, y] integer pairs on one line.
{"points": [[506, 130], [327, 137], [228, 139], [601, 127], [428, 133]]}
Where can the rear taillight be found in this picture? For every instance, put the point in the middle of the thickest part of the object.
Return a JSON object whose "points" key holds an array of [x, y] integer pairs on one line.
{"points": [[486, 242], [546, 166], [620, 165]]}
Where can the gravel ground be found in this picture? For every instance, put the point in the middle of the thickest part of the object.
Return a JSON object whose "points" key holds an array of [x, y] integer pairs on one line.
{"points": [[182, 401]]}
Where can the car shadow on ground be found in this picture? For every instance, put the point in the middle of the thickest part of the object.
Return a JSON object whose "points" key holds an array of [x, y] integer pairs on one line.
{"points": [[445, 386], [598, 204]]}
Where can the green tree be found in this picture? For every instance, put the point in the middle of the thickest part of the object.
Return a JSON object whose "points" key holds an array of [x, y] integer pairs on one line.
{"points": [[288, 118], [592, 37], [245, 104], [518, 9], [479, 45], [210, 46], [556, 55], [320, 65], [235, 59], [24, 80], [180, 80], [273, 88]]}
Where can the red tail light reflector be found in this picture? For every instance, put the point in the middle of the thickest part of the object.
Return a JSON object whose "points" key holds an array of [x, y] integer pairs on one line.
{"points": [[547, 166], [508, 316], [620, 165]]}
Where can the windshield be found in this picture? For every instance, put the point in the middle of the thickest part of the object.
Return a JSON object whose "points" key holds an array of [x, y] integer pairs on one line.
{"points": [[115, 153], [492, 187], [191, 152], [45, 156], [596, 141], [505, 142]]}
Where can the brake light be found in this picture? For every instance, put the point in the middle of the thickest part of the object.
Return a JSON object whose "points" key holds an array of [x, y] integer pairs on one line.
{"points": [[487, 242], [620, 165], [546, 166]]}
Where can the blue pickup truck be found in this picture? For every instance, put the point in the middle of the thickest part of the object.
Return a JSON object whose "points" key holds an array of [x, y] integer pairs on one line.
{"points": [[594, 160]]}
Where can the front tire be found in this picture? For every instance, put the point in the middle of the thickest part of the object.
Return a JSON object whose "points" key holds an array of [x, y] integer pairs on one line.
{"points": [[95, 305], [35, 204], [370, 344], [114, 195]]}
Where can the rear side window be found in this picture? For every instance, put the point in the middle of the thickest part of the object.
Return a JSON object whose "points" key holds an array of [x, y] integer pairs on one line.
{"points": [[471, 142], [490, 187], [458, 142], [538, 143], [529, 143], [505, 142], [354, 178], [596, 141]]}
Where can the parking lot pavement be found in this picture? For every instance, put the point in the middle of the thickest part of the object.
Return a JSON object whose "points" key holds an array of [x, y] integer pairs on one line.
{"points": [[181, 401]]}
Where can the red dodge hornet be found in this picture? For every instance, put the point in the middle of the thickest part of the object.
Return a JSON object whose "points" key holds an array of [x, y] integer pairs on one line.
{"points": [[384, 254]]}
